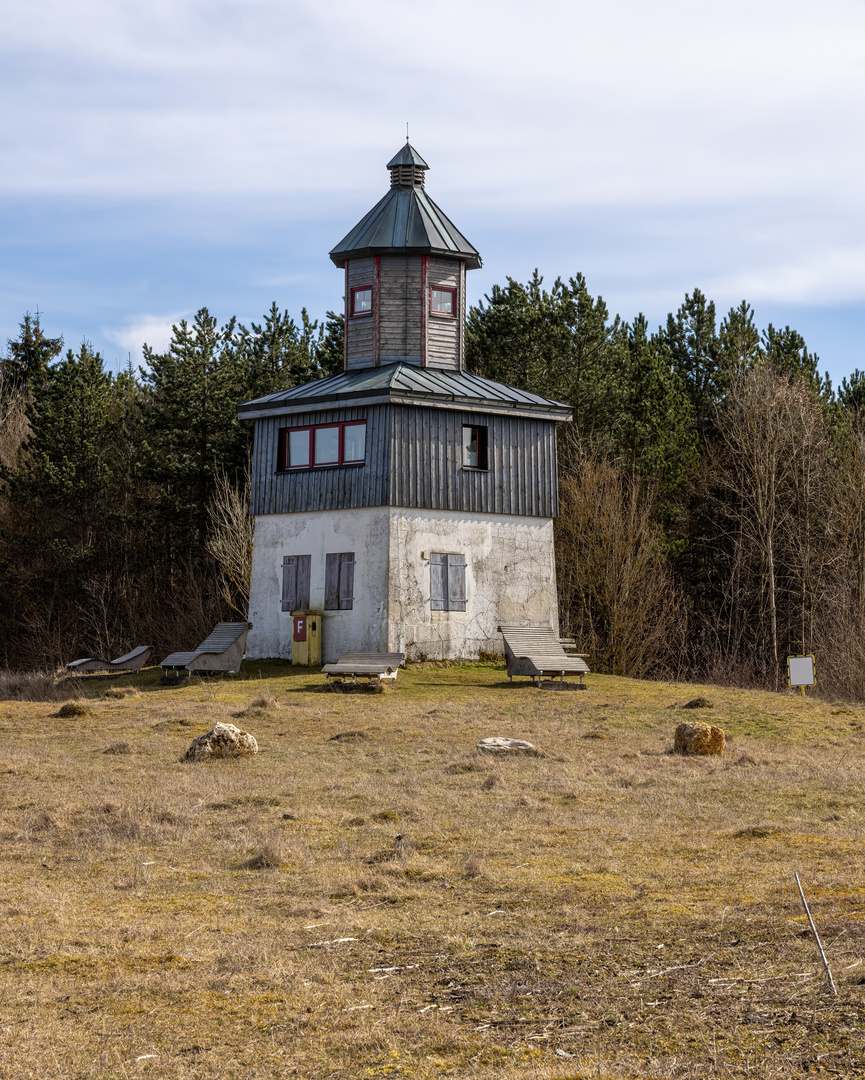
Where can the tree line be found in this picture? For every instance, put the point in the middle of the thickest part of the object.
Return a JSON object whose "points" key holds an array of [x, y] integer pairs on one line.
{"points": [[712, 483], [114, 488]]}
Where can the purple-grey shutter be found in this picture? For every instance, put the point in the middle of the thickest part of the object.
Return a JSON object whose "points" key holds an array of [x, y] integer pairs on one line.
{"points": [[346, 580], [438, 574], [289, 583], [456, 582], [331, 582], [303, 573]]}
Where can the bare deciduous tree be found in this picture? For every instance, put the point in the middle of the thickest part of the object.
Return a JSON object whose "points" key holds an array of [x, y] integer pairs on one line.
{"points": [[230, 539], [616, 593]]}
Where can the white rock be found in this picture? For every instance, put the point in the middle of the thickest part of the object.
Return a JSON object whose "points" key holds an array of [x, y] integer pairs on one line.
{"points": [[222, 741], [497, 744]]}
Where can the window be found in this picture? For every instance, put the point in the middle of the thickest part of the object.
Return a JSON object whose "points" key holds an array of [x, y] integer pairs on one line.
{"points": [[339, 581], [295, 582], [443, 301], [475, 448], [324, 444], [361, 301], [447, 582]]}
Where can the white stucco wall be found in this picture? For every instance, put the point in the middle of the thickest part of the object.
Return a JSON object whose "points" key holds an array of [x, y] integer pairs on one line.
{"points": [[510, 577], [365, 532]]}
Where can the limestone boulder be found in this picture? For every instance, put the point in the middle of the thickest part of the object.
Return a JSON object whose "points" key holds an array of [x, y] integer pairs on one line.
{"points": [[497, 744], [222, 741], [697, 738]]}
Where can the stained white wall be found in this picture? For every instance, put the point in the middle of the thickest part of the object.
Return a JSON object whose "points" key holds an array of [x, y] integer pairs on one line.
{"points": [[510, 577], [365, 532]]}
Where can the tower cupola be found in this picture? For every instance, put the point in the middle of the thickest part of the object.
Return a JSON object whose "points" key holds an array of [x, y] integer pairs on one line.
{"points": [[407, 168], [405, 266]]}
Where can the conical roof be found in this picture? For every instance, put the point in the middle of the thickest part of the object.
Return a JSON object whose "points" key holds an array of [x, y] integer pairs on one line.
{"points": [[407, 155], [406, 221]]}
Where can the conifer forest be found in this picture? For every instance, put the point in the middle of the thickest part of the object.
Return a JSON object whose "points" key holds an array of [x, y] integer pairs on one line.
{"points": [[712, 484]]}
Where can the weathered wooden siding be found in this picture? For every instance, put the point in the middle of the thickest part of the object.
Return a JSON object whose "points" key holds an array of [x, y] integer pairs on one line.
{"points": [[359, 333], [427, 467], [443, 333], [414, 459], [341, 487], [400, 328]]}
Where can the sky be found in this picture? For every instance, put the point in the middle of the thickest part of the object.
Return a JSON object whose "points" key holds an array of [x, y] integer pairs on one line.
{"points": [[158, 157]]}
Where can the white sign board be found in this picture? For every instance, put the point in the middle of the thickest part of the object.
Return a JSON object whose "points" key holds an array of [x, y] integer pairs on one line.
{"points": [[800, 671]]}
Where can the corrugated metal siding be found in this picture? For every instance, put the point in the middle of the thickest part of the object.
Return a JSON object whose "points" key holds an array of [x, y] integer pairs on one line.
{"points": [[345, 487]]}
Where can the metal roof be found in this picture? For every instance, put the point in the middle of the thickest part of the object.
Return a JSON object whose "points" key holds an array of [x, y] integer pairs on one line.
{"points": [[406, 221], [404, 384], [407, 155]]}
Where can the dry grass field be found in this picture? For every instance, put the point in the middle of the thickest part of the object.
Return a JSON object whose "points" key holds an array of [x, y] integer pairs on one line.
{"points": [[604, 910]]}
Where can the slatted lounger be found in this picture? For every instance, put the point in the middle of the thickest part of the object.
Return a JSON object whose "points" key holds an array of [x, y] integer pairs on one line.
{"points": [[132, 661], [368, 665], [536, 651], [222, 650]]}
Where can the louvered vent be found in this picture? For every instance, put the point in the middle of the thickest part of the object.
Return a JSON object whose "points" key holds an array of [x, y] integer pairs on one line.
{"points": [[406, 176]]}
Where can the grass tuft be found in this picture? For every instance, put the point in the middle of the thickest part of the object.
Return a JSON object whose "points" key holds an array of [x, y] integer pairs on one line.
{"points": [[122, 692], [119, 747], [269, 856], [74, 709]]}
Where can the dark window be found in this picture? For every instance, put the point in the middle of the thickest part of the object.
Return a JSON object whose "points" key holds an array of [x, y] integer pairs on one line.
{"points": [[442, 301], [339, 581], [361, 301], [295, 582], [447, 582], [475, 448], [323, 444]]}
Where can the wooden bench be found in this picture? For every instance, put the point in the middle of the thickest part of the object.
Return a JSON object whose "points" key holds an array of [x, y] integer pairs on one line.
{"points": [[368, 665], [131, 661], [536, 651], [221, 650]]}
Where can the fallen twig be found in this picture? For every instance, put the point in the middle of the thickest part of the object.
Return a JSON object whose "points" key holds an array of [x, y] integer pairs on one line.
{"points": [[831, 982]]}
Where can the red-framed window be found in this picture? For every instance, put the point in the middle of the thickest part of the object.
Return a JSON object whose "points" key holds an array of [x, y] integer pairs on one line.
{"points": [[442, 301], [318, 446], [361, 301]]}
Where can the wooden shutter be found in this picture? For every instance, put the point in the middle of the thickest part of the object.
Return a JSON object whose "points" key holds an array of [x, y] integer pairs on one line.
{"points": [[438, 582], [346, 580], [303, 573], [289, 583], [339, 581], [331, 582], [295, 582], [456, 583]]}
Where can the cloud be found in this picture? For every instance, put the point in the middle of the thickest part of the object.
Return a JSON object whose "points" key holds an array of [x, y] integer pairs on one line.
{"points": [[152, 330], [202, 148], [620, 102]]}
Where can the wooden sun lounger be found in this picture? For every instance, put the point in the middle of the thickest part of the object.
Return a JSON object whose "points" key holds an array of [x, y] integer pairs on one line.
{"points": [[536, 651], [221, 650], [368, 665], [131, 661]]}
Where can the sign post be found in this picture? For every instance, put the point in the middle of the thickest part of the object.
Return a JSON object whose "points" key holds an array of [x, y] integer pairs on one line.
{"points": [[800, 672]]}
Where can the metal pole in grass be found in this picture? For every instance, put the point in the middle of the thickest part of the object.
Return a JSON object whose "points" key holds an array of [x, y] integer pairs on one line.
{"points": [[826, 967]]}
